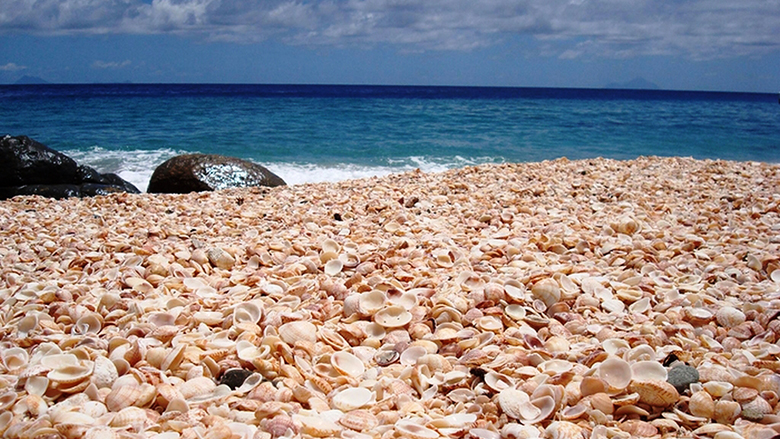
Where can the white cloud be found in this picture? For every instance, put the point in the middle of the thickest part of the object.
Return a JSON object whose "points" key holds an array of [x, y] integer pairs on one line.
{"points": [[11, 67], [110, 64], [608, 28]]}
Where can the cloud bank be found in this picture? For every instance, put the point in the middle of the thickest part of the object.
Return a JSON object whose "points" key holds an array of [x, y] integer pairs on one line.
{"points": [[700, 29]]}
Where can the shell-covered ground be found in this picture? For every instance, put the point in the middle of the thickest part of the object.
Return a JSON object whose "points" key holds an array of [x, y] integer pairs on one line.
{"points": [[562, 299]]}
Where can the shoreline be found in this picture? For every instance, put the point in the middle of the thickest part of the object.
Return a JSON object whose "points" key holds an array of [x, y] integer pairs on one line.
{"points": [[456, 296]]}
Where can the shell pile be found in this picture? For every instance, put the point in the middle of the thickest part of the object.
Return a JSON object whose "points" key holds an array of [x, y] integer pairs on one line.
{"points": [[564, 299]]}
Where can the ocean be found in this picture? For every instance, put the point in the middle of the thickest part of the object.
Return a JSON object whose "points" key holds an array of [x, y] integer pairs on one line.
{"points": [[314, 133]]}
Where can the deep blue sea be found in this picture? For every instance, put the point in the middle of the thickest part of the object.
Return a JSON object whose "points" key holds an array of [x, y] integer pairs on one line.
{"points": [[311, 133]]}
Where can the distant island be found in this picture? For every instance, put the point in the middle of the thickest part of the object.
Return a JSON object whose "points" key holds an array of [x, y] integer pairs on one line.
{"points": [[634, 84], [26, 79]]}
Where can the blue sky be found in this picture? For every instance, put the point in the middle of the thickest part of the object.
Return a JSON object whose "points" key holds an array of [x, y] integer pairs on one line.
{"points": [[677, 44]]}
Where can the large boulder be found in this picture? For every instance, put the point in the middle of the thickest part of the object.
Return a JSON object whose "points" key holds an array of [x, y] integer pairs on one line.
{"points": [[208, 172], [32, 168]]}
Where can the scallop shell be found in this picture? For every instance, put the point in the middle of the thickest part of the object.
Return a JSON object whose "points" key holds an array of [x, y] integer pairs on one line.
{"points": [[616, 372], [359, 420], [347, 364], [298, 330], [352, 398], [548, 291], [393, 316], [130, 417], [638, 428], [726, 412], [729, 317], [195, 387], [701, 404], [123, 396], [655, 392]]}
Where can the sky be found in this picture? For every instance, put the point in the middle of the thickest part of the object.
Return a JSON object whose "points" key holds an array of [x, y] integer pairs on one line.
{"points": [[723, 45]]}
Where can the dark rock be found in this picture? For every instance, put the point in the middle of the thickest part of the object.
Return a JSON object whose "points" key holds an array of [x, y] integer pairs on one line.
{"points": [[234, 378], [31, 168], [208, 172], [26, 161], [681, 376]]}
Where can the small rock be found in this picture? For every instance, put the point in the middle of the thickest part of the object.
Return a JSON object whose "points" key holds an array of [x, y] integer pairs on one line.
{"points": [[681, 376]]}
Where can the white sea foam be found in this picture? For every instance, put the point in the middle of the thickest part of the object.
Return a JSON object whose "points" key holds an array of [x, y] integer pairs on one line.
{"points": [[137, 166]]}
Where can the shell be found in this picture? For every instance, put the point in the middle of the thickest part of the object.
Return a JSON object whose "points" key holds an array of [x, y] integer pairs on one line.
{"points": [[726, 412], [413, 430], [359, 420], [729, 317], [702, 404], [655, 392], [317, 426], [563, 430], [393, 316], [104, 372], [347, 364], [195, 387], [71, 373], [648, 370], [333, 267], [249, 312], [124, 396], [133, 417], [638, 428], [220, 258], [296, 331], [548, 291], [352, 398], [616, 372]]}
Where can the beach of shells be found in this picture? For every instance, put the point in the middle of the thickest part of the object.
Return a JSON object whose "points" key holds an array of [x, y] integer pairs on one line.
{"points": [[562, 299]]}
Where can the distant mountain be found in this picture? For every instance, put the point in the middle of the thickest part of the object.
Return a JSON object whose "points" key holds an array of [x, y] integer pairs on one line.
{"points": [[26, 79], [634, 84]]}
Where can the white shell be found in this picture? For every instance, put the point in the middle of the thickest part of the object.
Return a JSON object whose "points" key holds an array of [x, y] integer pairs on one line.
{"points": [[352, 398], [347, 364], [393, 316], [648, 370], [616, 372]]}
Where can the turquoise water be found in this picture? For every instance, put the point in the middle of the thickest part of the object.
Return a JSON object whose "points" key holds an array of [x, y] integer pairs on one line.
{"points": [[330, 133]]}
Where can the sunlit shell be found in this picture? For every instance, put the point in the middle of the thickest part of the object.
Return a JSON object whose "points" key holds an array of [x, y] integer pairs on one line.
{"points": [[701, 404], [498, 381], [130, 417], [648, 370], [128, 395], [638, 428], [726, 412], [655, 392], [196, 387], [371, 301], [717, 388], [14, 358], [220, 258], [299, 330], [413, 430], [347, 364], [563, 430], [36, 385], [352, 398], [317, 426], [90, 323], [250, 312], [359, 420], [411, 354], [454, 421], [104, 372], [333, 267], [548, 291], [393, 316], [729, 316], [515, 312], [71, 373], [616, 372], [489, 323], [174, 358], [515, 290]]}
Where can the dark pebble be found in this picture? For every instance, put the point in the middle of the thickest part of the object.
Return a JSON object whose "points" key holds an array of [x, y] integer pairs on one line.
{"points": [[234, 378], [681, 376]]}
